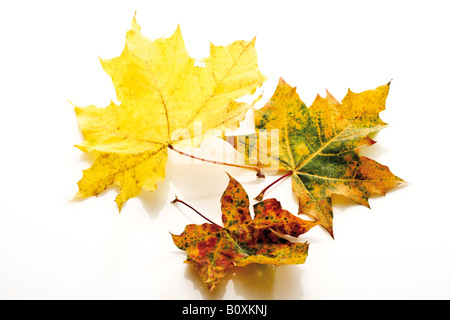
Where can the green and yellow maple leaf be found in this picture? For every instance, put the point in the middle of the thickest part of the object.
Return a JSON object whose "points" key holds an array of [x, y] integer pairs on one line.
{"points": [[163, 93], [214, 249], [318, 146]]}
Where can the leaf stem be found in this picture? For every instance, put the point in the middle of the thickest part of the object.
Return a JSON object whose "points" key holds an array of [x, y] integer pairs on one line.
{"points": [[259, 172], [261, 194], [201, 215]]}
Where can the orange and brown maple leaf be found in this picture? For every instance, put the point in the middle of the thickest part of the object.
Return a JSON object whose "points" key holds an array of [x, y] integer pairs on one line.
{"points": [[214, 249]]}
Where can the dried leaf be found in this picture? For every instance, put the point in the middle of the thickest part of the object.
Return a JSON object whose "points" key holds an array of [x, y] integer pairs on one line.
{"points": [[319, 146], [213, 249], [163, 94]]}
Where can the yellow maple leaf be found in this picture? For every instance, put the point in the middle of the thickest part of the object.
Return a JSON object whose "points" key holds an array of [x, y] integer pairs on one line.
{"points": [[163, 93]]}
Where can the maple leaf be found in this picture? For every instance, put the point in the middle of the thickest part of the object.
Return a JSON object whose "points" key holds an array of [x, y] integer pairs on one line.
{"points": [[318, 147], [163, 93], [213, 249]]}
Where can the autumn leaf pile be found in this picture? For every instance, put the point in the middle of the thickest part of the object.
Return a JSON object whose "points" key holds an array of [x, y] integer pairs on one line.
{"points": [[163, 93]]}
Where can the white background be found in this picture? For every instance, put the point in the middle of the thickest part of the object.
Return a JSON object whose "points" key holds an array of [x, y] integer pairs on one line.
{"points": [[52, 247]]}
